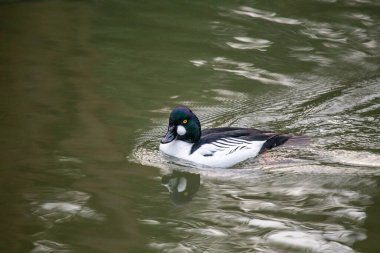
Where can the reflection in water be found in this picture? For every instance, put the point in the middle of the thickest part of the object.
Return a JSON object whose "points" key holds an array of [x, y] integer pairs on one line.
{"points": [[272, 211], [182, 185]]}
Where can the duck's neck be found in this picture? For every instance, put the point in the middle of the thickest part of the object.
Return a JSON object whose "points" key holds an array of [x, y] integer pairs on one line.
{"points": [[198, 131]]}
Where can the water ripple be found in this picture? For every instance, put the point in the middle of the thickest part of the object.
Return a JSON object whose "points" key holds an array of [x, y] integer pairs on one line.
{"points": [[64, 207], [266, 15], [246, 70], [250, 43], [314, 242], [319, 59], [312, 199], [47, 246], [324, 31], [298, 212]]}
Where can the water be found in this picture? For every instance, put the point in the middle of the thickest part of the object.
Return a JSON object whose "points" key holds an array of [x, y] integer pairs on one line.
{"points": [[86, 89]]}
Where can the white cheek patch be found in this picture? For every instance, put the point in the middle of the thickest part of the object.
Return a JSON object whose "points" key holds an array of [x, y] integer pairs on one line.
{"points": [[182, 184], [181, 130]]}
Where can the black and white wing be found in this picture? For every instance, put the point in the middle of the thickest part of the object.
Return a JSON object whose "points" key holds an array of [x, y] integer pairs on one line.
{"points": [[228, 146], [227, 140]]}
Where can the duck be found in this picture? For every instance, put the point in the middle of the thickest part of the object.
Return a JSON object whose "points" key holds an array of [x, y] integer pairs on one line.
{"points": [[214, 147], [182, 185]]}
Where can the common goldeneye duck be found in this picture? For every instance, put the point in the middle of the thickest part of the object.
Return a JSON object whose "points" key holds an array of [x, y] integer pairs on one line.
{"points": [[214, 147], [182, 185]]}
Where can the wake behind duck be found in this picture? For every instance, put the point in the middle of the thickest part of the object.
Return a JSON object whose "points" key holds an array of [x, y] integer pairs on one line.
{"points": [[215, 147]]}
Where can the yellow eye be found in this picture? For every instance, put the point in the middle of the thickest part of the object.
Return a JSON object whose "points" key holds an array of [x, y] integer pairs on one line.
{"points": [[184, 121]]}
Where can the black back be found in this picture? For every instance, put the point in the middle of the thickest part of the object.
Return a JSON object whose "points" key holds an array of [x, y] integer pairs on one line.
{"points": [[248, 134]]}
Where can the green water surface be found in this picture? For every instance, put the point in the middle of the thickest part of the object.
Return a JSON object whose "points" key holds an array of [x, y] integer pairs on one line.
{"points": [[86, 88]]}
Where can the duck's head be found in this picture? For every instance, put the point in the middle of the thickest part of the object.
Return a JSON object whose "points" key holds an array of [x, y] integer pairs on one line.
{"points": [[183, 125]]}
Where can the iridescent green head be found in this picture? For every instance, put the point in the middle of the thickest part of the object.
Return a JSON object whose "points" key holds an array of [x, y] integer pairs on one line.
{"points": [[183, 125]]}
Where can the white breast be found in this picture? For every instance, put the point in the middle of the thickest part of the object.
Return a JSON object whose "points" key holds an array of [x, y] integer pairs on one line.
{"points": [[177, 148]]}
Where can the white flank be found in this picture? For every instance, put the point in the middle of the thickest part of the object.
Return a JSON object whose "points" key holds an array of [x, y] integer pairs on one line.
{"points": [[223, 153]]}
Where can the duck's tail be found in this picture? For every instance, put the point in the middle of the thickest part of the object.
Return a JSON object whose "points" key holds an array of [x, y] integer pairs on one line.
{"points": [[285, 140]]}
